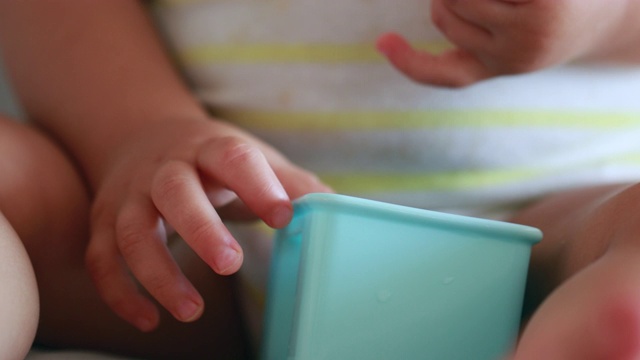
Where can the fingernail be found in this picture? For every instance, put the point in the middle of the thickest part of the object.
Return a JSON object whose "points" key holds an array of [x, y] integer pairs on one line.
{"points": [[383, 48], [281, 216], [227, 260], [188, 311], [145, 324], [385, 42]]}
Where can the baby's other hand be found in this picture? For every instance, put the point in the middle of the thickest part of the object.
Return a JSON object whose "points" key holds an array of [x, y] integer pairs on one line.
{"points": [[503, 37]]}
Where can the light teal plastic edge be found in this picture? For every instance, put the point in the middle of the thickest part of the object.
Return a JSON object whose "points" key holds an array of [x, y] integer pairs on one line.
{"points": [[345, 203]]}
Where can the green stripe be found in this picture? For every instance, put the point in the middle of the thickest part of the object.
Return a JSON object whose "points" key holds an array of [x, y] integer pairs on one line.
{"points": [[290, 53], [383, 120]]}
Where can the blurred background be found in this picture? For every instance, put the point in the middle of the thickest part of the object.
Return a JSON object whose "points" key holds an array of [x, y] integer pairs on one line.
{"points": [[8, 104]]}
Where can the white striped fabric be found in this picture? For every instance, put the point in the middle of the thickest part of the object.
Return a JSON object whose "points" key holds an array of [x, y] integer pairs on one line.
{"points": [[304, 76]]}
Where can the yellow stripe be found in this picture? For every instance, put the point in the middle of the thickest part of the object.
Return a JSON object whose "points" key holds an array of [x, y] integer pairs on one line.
{"points": [[628, 159], [449, 181], [369, 183], [381, 120], [291, 53]]}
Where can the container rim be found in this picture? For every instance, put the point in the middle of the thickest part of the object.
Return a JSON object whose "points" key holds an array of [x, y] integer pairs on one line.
{"points": [[350, 204]]}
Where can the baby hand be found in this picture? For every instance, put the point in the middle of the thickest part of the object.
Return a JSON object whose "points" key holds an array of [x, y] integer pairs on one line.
{"points": [[186, 175], [502, 37]]}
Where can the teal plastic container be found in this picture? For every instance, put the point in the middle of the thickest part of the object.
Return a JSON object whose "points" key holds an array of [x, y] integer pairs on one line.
{"points": [[360, 279]]}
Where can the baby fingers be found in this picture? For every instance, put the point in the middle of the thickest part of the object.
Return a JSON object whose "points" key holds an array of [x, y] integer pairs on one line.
{"points": [[142, 243], [114, 283], [244, 169], [178, 194], [481, 13], [454, 68], [464, 23]]}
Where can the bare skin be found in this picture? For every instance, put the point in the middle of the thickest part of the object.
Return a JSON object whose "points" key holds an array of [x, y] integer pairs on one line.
{"points": [[585, 275], [583, 290], [52, 222], [135, 158], [19, 307], [141, 158], [509, 37]]}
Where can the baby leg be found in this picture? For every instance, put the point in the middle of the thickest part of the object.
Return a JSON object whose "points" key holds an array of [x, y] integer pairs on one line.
{"points": [[47, 203], [589, 263], [593, 315], [18, 296]]}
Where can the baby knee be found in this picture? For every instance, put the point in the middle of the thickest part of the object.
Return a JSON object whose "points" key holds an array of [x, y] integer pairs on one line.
{"points": [[38, 181]]}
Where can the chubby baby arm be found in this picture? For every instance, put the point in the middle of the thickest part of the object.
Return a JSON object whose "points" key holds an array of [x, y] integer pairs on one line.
{"points": [[101, 83], [503, 37]]}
